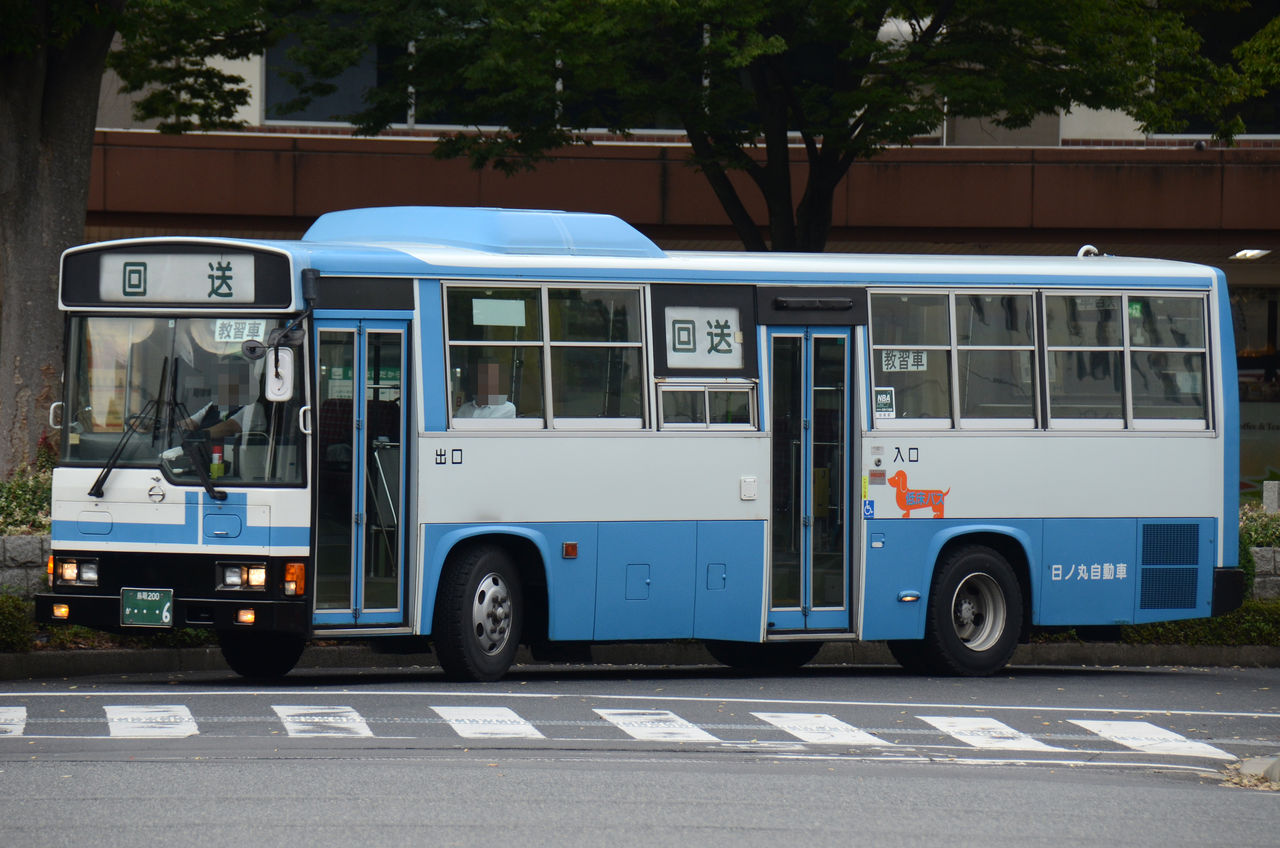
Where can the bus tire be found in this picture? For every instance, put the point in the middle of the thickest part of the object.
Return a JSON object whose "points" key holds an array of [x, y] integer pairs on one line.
{"points": [[974, 614], [763, 656], [479, 614], [263, 655]]}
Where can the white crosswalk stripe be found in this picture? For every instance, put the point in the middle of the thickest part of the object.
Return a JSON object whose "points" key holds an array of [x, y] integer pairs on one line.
{"points": [[150, 721], [1150, 739], [488, 723], [321, 720], [821, 729], [986, 733], [485, 722], [13, 720], [655, 726]]}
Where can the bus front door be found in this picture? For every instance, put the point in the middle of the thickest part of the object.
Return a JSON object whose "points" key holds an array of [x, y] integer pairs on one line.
{"points": [[360, 426], [809, 370]]}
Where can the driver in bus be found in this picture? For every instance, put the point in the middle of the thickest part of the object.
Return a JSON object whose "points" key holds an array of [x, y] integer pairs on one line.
{"points": [[487, 402], [225, 416]]}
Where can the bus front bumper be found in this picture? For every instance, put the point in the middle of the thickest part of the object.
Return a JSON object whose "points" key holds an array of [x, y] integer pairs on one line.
{"points": [[103, 612]]}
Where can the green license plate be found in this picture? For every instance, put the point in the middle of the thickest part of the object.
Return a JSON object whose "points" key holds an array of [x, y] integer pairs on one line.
{"points": [[146, 607]]}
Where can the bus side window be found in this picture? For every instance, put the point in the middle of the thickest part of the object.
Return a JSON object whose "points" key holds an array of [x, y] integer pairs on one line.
{"points": [[1167, 358], [995, 339], [911, 335]]}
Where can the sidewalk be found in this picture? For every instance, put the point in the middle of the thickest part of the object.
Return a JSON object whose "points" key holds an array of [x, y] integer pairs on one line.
{"points": [[47, 664]]}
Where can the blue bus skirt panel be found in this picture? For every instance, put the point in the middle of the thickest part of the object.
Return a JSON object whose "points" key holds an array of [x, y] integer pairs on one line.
{"points": [[901, 553], [630, 580], [1080, 571]]}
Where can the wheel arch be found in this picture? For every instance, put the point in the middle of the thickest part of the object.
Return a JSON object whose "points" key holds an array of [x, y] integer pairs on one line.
{"points": [[1010, 542], [527, 550]]}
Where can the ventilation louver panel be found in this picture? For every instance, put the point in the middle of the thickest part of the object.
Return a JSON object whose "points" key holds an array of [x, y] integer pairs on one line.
{"points": [[1170, 555]]}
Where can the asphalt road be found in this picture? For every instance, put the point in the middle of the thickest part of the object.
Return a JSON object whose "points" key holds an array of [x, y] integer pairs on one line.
{"points": [[571, 756]]}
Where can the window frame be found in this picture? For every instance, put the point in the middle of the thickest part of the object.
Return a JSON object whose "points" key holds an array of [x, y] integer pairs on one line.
{"points": [[1042, 351], [545, 345], [1031, 422], [1054, 422], [875, 348], [706, 388], [1203, 423]]}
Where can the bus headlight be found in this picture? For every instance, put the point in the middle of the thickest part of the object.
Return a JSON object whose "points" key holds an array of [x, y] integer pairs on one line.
{"points": [[238, 576], [76, 572]]}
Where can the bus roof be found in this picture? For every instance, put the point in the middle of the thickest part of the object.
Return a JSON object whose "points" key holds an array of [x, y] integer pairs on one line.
{"points": [[517, 244]]}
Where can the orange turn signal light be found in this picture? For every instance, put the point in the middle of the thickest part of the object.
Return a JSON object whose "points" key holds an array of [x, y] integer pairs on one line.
{"points": [[295, 578]]}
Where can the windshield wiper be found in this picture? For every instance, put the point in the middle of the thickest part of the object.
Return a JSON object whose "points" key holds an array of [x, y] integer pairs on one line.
{"points": [[149, 410], [198, 453]]}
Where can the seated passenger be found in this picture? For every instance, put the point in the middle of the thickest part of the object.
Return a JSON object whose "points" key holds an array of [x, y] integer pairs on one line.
{"points": [[486, 402]]}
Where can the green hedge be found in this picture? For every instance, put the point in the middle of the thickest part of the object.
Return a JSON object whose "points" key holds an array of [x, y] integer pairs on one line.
{"points": [[17, 624], [1258, 529], [1255, 623], [24, 502]]}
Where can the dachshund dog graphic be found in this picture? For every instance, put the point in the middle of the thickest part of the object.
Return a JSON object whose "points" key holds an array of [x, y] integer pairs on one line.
{"points": [[909, 499]]}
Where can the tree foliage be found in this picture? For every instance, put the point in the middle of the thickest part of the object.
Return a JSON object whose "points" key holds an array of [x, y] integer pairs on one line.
{"points": [[752, 81], [778, 97], [166, 53]]}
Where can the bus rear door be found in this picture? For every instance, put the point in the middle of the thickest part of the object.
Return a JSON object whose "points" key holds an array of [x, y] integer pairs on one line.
{"points": [[809, 371]]}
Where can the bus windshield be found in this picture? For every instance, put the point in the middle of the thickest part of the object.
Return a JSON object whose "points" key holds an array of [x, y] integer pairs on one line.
{"points": [[151, 388]]}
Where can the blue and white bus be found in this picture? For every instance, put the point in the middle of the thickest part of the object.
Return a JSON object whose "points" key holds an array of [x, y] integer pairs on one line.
{"points": [[480, 428]]}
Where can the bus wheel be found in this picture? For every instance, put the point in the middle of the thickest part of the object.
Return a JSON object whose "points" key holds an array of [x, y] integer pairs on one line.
{"points": [[763, 656], [974, 615], [479, 614], [260, 655]]}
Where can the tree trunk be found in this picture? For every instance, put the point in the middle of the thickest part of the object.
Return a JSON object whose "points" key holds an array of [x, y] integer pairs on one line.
{"points": [[48, 106]]}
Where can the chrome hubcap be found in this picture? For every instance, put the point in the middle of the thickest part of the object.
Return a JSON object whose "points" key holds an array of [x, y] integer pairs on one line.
{"points": [[978, 612], [491, 614]]}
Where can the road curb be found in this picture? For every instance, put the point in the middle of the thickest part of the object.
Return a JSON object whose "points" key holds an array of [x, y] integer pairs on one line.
{"points": [[48, 664]]}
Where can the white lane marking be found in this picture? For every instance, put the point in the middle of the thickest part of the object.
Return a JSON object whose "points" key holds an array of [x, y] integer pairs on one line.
{"points": [[321, 720], [690, 699], [13, 720], [986, 733], [820, 728], [488, 723], [1150, 739], [655, 726], [150, 721]]}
